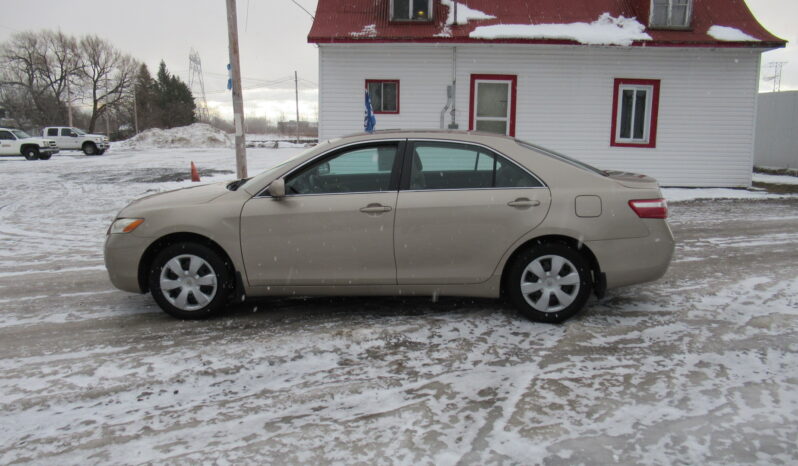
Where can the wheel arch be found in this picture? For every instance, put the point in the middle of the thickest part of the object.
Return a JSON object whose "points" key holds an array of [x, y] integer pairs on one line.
{"points": [[599, 282], [24, 147], [158, 245]]}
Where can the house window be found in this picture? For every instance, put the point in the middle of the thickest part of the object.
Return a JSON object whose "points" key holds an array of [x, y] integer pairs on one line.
{"points": [[493, 101], [411, 10], [384, 95], [671, 14], [634, 113]]}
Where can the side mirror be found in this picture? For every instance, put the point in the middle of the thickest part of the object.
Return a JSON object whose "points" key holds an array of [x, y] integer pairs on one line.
{"points": [[73, 135], [277, 188]]}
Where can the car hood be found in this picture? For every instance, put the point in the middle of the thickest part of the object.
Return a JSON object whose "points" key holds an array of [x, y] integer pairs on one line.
{"points": [[180, 197]]}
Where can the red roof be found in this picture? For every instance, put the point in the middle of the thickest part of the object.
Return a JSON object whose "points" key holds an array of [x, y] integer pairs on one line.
{"points": [[362, 21]]}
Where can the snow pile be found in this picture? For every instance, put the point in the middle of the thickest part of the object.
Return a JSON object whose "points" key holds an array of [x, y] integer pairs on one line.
{"points": [[606, 30], [692, 194], [368, 31], [197, 135], [464, 13], [730, 34], [775, 179]]}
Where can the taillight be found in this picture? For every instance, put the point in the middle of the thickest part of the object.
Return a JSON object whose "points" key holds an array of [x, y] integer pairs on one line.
{"points": [[650, 208]]}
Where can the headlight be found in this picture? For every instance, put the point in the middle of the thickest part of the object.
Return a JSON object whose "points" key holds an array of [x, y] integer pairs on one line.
{"points": [[125, 225]]}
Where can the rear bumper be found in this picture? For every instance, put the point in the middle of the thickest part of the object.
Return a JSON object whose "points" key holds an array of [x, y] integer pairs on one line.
{"points": [[635, 260]]}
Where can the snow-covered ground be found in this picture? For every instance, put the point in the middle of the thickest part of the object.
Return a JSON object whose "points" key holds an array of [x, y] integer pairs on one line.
{"points": [[698, 367]]}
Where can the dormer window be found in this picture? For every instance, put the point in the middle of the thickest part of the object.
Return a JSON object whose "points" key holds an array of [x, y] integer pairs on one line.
{"points": [[671, 14], [411, 10]]}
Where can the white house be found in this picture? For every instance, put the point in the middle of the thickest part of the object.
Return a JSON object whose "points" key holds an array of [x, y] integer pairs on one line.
{"points": [[663, 87]]}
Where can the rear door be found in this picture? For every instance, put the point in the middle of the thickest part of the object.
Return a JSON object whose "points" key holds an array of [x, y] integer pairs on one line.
{"points": [[460, 208], [333, 227]]}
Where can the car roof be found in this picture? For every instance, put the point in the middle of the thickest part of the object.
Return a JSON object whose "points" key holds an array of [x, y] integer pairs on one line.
{"points": [[425, 133]]}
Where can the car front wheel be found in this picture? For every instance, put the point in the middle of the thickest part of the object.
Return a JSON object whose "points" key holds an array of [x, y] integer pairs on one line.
{"points": [[31, 153], [89, 149], [549, 282], [189, 281]]}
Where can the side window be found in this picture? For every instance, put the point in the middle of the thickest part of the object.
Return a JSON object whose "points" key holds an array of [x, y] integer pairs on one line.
{"points": [[6, 136], [359, 170], [462, 166], [66, 132], [52, 131]]}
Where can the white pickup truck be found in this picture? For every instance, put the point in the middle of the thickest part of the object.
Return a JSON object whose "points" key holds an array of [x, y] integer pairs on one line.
{"points": [[69, 138], [17, 142]]}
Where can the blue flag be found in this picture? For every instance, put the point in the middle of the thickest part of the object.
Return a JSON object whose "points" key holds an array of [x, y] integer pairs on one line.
{"points": [[369, 122]]}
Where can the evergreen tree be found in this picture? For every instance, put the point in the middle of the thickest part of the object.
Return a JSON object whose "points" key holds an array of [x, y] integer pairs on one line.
{"points": [[175, 101], [147, 104]]}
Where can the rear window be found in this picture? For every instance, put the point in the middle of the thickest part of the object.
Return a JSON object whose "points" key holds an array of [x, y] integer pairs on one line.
{"points": [[561, 157]]}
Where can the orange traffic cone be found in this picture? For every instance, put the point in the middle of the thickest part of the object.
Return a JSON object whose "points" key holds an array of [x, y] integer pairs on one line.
{"points": [[194, 172]]}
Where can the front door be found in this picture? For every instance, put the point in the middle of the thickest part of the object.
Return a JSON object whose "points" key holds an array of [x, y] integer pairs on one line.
{"points": [[333, 227], [493, 103]]}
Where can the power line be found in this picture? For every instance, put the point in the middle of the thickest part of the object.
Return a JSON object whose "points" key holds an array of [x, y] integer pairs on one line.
{"points": [[303, 9]]}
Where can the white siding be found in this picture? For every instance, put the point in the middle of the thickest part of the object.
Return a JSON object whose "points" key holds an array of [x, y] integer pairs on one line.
{"points": [[705, 132], [777, 130]]}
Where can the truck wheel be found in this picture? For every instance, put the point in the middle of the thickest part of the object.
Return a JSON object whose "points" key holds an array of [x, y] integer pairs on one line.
{"points": [[45, 156], [89, 148], [31, 153]]}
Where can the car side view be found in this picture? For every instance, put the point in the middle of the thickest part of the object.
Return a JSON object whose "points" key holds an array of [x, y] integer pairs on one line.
{"points": [[398, 213]]}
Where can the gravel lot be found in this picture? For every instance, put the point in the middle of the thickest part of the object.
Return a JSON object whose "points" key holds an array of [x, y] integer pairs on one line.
{"points": [[699, 367]]}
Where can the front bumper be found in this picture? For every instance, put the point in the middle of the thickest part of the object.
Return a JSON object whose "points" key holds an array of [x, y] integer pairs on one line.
{"points": [[123, 251], [49, 150], [635, 260]]}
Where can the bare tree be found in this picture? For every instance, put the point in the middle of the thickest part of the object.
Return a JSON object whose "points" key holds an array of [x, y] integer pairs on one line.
{"points": [[36, 70], [107, 76]]}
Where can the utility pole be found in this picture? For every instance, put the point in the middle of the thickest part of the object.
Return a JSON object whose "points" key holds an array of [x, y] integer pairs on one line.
{"points": [[107, 115], [69, 103], [238, 100], [296, 91], [135, 111]]}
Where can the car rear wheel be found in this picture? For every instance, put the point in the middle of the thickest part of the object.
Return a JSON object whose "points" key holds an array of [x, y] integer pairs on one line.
{"points": [[549, 282], [189, 281], [89, 148], [31, 153]]}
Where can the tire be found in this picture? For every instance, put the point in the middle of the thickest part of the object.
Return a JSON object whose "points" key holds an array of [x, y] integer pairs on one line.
{"points": [[556, 282], [89, 148], [31, 153], [45, 156], [182, 295], [100, 152]]}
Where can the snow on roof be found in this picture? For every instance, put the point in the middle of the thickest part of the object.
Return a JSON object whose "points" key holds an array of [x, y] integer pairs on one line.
{"points": [[367, 31], [730, 34], [606, 30], [464, 13]]}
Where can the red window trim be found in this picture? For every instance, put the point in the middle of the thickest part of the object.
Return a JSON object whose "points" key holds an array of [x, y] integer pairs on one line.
{"points": [[398, 99], [652, 132], [493, 77]]}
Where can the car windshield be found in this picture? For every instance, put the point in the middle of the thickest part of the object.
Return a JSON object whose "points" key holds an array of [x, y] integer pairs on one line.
{"points": [[20, 134], [79, 132], [256, 180], [561, 157]]}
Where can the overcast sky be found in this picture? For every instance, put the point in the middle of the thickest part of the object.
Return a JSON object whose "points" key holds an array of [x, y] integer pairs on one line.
{"points": [[273, 36]]}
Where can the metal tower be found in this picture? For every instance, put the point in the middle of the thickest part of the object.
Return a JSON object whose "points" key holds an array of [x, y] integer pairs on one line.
{"points": [[195, 75], [776, 78]]}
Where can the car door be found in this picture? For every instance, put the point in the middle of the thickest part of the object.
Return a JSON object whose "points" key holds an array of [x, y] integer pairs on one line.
{"points": [[8, 144], [67, 139], [333, 227], [460, 208]]}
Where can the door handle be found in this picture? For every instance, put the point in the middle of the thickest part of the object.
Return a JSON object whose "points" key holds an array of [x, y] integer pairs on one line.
{"points": [[523, 202], [375, 209]]}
